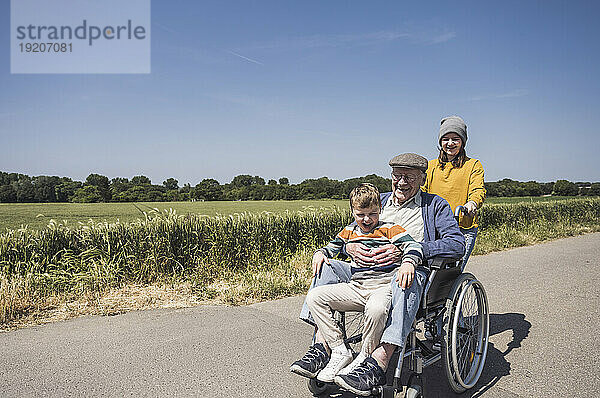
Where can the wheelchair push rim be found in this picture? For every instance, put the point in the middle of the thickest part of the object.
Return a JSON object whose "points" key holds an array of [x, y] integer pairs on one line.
{"points": [[466, 340]]}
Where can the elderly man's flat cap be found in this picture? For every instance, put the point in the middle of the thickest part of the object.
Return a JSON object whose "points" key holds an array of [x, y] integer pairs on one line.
{"points": [[411, 160]]}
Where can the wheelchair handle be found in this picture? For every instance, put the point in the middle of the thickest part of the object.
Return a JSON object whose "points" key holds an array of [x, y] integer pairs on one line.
{"points": [[459, 209]]}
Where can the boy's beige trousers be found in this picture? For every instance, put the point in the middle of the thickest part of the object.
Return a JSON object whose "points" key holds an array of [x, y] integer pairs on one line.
{"points": [[371, 296]]}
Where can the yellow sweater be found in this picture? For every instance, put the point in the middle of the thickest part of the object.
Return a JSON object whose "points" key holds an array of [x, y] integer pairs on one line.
{"points": [[457, 185]]}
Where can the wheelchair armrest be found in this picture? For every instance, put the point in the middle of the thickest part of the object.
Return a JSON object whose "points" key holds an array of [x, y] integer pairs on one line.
{"points": [[443, 262]]}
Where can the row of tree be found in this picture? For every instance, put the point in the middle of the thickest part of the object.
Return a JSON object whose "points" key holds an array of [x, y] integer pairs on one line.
{"points": [[21, 188], [510, 188]]}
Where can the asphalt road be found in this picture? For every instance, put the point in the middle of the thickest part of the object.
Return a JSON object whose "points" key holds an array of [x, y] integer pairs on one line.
{"points": [[544, 304]]}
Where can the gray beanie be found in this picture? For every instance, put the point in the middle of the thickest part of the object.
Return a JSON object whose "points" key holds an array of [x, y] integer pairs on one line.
{"points": [[410, 160], [453, 124]]}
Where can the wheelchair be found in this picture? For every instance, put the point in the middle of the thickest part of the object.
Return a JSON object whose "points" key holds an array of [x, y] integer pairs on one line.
{"points": [[456, 300]]}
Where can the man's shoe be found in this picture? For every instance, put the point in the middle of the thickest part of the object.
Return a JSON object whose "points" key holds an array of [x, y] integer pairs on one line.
{"points": [[337, 362], [363, 378], [312, 362]]}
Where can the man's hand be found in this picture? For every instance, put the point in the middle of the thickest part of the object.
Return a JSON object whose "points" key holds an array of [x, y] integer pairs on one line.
{"points": [[387, 254], [471, 207], [383, 255], [361, 254], [317, 262], [405, 274]]}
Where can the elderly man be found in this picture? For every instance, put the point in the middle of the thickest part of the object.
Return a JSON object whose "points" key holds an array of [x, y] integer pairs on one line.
{"points": [[429, 220]]}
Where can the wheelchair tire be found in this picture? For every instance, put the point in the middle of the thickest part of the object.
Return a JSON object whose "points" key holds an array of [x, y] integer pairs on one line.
{"points": [[466, 332], [351, 324], [318, 388]]}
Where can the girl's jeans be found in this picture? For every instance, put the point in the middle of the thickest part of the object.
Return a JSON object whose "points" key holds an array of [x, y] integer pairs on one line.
{"points": [[470, 235]]}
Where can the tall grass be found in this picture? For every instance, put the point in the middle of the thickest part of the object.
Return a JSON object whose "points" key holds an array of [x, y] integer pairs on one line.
{"points": [[236, 258], [518, 224], [162, 244], [164, 247]]}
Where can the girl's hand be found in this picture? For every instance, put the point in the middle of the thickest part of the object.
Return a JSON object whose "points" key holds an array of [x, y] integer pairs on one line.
{"points": [[471, 207]]}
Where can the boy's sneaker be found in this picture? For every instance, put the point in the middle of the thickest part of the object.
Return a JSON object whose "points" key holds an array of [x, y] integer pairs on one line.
{"points": [[357, 361], [312, 362], [338, 361], [363, 378]]}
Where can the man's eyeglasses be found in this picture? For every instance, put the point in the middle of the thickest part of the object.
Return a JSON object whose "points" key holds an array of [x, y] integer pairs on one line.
{"points": [[406, 177]]}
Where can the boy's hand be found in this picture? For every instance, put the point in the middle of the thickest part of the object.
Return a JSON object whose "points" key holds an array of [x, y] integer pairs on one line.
{"points": [[405, 274], [317, 262]]}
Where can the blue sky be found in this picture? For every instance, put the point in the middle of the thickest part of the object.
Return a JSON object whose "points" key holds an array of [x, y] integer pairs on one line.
{"points": [[306, 89]]}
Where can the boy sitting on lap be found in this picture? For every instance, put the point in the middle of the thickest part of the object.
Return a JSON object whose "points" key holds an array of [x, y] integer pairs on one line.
{"points": [[368, 291]]}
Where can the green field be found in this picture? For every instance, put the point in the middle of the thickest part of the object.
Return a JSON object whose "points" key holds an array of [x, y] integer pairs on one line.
{"points": [[39, 215]]}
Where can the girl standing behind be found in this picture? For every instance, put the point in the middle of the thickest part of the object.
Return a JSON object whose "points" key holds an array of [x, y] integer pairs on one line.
{"points": [[457, 178]]}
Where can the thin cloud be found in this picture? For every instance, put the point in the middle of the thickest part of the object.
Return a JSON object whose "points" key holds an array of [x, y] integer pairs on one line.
{"points": [[442, 38], [246, 58], [512, 94], [340, 40]]}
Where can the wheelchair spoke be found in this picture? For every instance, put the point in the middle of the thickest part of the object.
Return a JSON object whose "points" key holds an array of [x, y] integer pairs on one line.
{"points": [[466, 368], [466, 338], [463, 363], [463, 348], [461, 355], [469, 300], [471, 319], [466, 361]]}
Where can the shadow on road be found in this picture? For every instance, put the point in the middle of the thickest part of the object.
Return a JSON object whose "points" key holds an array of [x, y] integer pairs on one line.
{"points": [[496, 365]]}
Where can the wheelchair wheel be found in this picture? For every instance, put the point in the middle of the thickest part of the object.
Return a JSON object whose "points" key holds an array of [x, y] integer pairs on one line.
{"points": [[466, 332], [317, 387], [351, 324]]}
